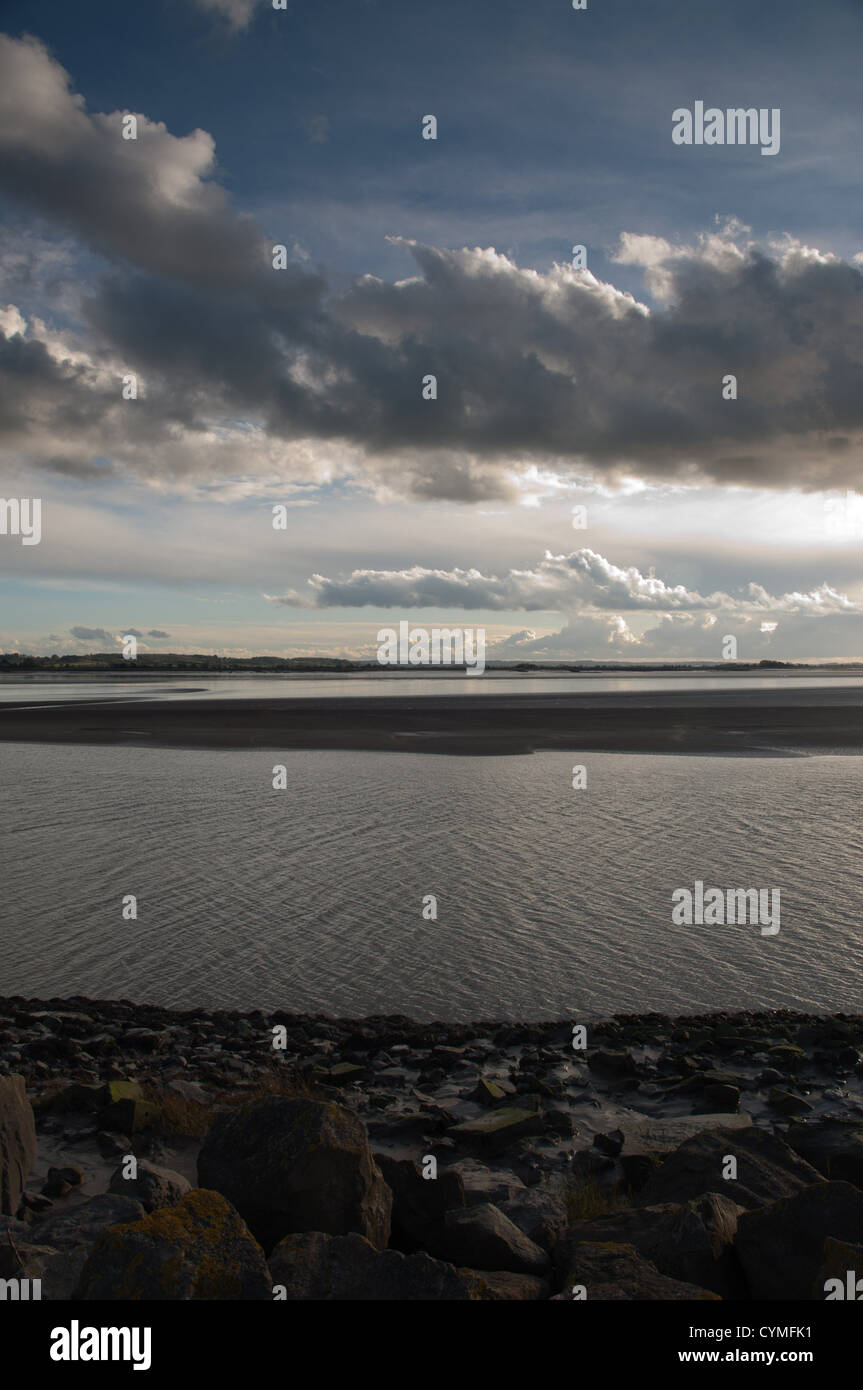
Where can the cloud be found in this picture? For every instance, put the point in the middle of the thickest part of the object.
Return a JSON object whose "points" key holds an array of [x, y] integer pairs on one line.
{"points": [[238, 13], [150, 200], [244, 368], [690, 637], [91, 634], [601, 600], [580, 580], [157, 632]]}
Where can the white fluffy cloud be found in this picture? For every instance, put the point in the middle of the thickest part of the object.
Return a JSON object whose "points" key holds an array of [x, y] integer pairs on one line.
{"points": [[582, 580]]}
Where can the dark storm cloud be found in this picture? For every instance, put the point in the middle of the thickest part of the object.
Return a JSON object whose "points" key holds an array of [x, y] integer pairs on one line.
{"points": [[557, 366], [145, 200]]}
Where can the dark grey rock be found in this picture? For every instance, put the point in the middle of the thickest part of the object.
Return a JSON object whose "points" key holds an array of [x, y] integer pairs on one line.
{"points": [[153, 1187], [616, 1272], [297, 1165], [766, 1169], [690, 1241], [18, 1146], [782, 1246], [316, 1266], [84, 1222], [484, 1238]]}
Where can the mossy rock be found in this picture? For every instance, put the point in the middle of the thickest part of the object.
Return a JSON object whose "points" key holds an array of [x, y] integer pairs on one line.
{"points": [[199, 1249]]}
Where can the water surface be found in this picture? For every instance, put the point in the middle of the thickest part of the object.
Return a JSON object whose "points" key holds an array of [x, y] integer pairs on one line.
{"points": [[551, 902]]}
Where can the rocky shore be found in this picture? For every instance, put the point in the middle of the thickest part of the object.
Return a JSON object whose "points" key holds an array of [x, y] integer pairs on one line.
{"points": [[148, 1153]]}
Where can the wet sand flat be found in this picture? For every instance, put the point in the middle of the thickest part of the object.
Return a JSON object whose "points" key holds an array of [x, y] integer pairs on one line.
{"points": [[733, 722]]}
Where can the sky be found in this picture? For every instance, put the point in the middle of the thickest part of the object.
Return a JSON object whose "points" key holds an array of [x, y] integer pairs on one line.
{"points": [[427, 405]]}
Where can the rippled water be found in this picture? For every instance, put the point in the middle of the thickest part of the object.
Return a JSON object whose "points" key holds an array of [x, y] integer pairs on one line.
{"points": [[551, 902]]}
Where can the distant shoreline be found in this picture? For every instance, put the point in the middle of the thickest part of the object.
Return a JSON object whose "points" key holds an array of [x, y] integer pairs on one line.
{"points": [[737, 722]]}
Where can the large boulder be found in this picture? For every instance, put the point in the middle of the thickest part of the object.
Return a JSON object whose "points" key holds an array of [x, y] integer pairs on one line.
{"points": [[18, 1147], [615, 1271], [689, 1241], [152, 1186], [766, 1169], [484, 1184], [58, 1271], [297, 1165], [198, 1249], [540, 1212], [313, 1265], [843, 1261], [483, 1238], [833, 1146], [781, 1247], [82, 1223], [419, 1204]]}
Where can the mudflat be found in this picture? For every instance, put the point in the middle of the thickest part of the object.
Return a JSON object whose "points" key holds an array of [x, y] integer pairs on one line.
{"points": [[779, 722]]}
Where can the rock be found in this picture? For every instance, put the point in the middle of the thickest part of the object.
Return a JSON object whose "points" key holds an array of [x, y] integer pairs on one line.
{"points": [[18, 1148], [84, 1223], [340, 1075], [612, 1064], [647, 1134], [843, 1262], [539, 1213], [79, 1097], [189, 1090], [787, 1103], [721, 1098], [502, 1285], [689, 1241], [497, 1130], [786, 1056], [316, 1266], [125, 1108], [198, 1249], [119, 1104], [766, 1169], [419, 1204], [590, 1164], [153, 1186], [610, 1144], [484, 1184], [35, 1202], [59, 1181], [297, 1165], [59, 1270], [484, 1238], [834, 1147], [113, 1145], [145, 1040], [490, 1093], [638, 1169], [781, 1247], [616, 1271]]}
